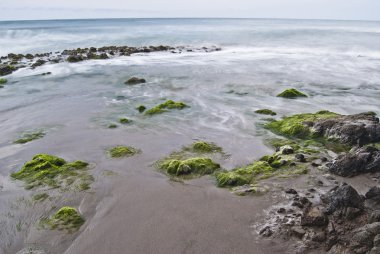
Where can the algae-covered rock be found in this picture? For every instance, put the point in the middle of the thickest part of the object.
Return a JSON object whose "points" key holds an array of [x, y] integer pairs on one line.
{"points": [[135, 81], [141, 108], [299, 125], [27, 137], [122, 151], [125, 120], [52, 171], [291, 94], [66, 218], [205, 147], [6, 69], [74, 58], [359, 129], [112, 126], [3, 81], [266, 112], [192, 167], [164, 107]]}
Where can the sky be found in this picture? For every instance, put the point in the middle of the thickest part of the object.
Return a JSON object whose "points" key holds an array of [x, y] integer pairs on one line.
{"points": [[83, 9]]}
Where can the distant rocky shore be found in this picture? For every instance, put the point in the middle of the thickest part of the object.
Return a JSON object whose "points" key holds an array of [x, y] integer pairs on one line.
{"points": [[13, 62]]}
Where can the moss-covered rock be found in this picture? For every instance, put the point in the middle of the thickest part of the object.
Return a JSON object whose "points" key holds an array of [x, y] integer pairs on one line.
{"points": [[298, 125], [52, 171], [193, 167], [204, 147], [3, 81], [125, 120], [135, 81], [141, 108], [266, 112], [66, 218], [291, 94], [123, 151], [112, 126], [164, 107], [27, 137]]}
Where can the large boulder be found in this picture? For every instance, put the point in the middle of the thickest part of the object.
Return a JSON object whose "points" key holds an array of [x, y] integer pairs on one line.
{"points": [[344, 200], [364, 160], [356, 129]]}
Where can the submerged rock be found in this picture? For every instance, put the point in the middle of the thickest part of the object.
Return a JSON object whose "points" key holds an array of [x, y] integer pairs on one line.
{"points": [[123, 151], [6, 69], [66, 218], [192, 167], [135, 81], [266, 112], [164, 107], [363, 160], [291, 93]]}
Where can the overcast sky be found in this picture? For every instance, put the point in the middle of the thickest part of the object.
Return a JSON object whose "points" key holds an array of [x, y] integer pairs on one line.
{"points": [[300, 9]]}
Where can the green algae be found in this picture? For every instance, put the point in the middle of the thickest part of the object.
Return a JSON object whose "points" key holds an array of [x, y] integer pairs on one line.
{"points": [[40, 197], [125, 120], [27, 137], [165, 107], [204, 147], [141, 108], [112, 126], [66, 218], [3, 81], [291, 94], [52, 171], [189, 168], [294, 126], [266, 112], [122, 151]]}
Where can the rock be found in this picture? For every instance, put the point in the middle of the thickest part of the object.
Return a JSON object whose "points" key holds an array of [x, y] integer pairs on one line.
{"points": [[5, 69], [374, 217], [281, 210], [342, 197], [373, 193], [376, 241], [74, 58], [135, 81], [300, 157], [286, 150], [359, 129], [291, 191], [364, 160], [314, 216], [266, 232], [318, 237], [298, 231], [363, 237]]}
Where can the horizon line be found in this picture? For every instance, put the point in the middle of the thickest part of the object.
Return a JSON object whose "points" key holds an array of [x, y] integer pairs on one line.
{"points": [[77, 19]]}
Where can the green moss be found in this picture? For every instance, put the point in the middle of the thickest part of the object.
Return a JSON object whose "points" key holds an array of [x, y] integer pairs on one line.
{"points": [[49, 170], [204, 147], [164, 107], [193, 167], [291, 93], [66, 218], [112, 126], [40, 197], [266, 112], [3, 81], [27, 137], [294, 126], [125, 120], [122, 151], [141, 108]]}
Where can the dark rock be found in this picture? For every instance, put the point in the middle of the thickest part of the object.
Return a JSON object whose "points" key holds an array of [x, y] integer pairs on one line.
{"points": [[74, 58], [359, 129], [373, 193], [342, 197], [363, 237], [300, 157], [374, 217], [281, 210], [318, 237], [103, 56], [298, 204], [266, 232], [291, 191], [6, 69], [364, 160], [37, 63], [286, 150], [135, 81], [314, 216], [298, 231]]}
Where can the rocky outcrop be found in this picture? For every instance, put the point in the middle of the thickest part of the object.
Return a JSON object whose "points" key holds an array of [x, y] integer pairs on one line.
{"points": [[344, 222], [363, 160], [359, 129]]}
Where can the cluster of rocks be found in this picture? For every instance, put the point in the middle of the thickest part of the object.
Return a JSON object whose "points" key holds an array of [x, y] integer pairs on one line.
{"points": [[359, 129], [12, 62], [339, 221]]}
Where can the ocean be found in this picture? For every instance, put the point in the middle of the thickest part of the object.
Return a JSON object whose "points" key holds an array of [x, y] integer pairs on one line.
{"points": [[336, 63]]}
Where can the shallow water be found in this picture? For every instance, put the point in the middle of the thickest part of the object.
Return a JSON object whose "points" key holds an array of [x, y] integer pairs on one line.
{"points": [[336, 63]]}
